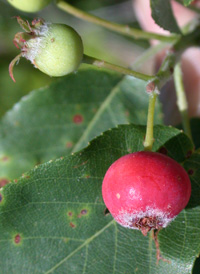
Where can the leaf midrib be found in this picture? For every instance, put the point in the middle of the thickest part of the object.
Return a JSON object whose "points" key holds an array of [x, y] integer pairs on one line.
{"points": [[91, 124]]}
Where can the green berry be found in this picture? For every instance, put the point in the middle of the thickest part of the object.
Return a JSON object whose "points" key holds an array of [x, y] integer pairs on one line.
{"points": [[29, 5], [60, 51], [55, 49]]}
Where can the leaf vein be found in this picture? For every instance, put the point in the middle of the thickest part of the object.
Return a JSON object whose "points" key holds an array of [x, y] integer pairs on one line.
{"points": [[80, 247]]}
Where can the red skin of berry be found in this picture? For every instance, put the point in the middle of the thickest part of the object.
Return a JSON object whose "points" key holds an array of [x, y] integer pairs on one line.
{"points": [[145, 190]]}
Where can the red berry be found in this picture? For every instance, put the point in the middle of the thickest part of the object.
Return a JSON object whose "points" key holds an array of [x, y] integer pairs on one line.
{"points": [[145, 190]]}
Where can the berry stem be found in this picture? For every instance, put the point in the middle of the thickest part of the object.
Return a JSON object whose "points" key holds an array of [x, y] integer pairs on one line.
{"points": [[181, 99], [103, 64], [149, 139], [123, 29], [158, 252]]}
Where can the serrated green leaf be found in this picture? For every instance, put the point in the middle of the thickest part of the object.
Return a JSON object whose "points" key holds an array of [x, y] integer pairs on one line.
{"points": [[161, 12], [56, 120], [186, 232], [52, 220], [195, 129], [28, 78]]}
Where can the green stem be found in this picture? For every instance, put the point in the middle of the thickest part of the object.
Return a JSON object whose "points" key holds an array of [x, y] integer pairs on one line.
{"points": [[149, 139], [103, 64], [181, 99], [147, 55], [123, 29]]}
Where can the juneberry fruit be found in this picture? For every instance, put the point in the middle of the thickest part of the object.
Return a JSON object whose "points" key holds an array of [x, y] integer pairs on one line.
{"points": [[29, 5], [55, 49], [145, 190]]}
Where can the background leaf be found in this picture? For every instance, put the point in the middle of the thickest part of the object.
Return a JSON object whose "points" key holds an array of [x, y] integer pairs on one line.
{"points": [[53, 219], [56, 120], [195, 129], [161, 12], [187, 2], [27, 77]]}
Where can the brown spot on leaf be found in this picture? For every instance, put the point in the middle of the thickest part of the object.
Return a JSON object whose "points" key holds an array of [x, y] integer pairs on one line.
{"points": [[87, 176], [163, 150], [78, 119], [72, 225], [17, 239], [4, 158], [69, 144], [3, 182], [84, 211], [190, 171], [52, 40], [82, 164], [70, 213], [189, 153], [127, 113]]}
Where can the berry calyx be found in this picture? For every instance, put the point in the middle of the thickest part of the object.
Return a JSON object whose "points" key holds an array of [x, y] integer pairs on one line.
{"points": [[29, 5], [145, 190], [55, 49]]}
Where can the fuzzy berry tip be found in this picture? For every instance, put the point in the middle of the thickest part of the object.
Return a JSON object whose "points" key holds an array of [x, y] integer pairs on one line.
{"points": [[145, 190], [55, 49]]}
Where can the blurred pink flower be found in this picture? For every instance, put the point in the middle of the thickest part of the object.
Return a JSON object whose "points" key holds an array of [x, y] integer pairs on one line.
{"points": [[190, 61]]}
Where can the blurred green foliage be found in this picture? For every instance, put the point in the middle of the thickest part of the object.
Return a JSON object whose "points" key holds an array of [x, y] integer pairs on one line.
{"points": [[98, 42], [27, 77], [93, 4]]}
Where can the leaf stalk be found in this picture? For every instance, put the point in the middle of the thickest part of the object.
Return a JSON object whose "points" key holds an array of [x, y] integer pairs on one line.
{"points": [[181, 99], [103, 64]]}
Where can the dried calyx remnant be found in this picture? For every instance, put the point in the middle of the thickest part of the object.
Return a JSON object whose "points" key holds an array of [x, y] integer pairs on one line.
{"points": [[21, 40], [146, 224], [55, 49]]}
